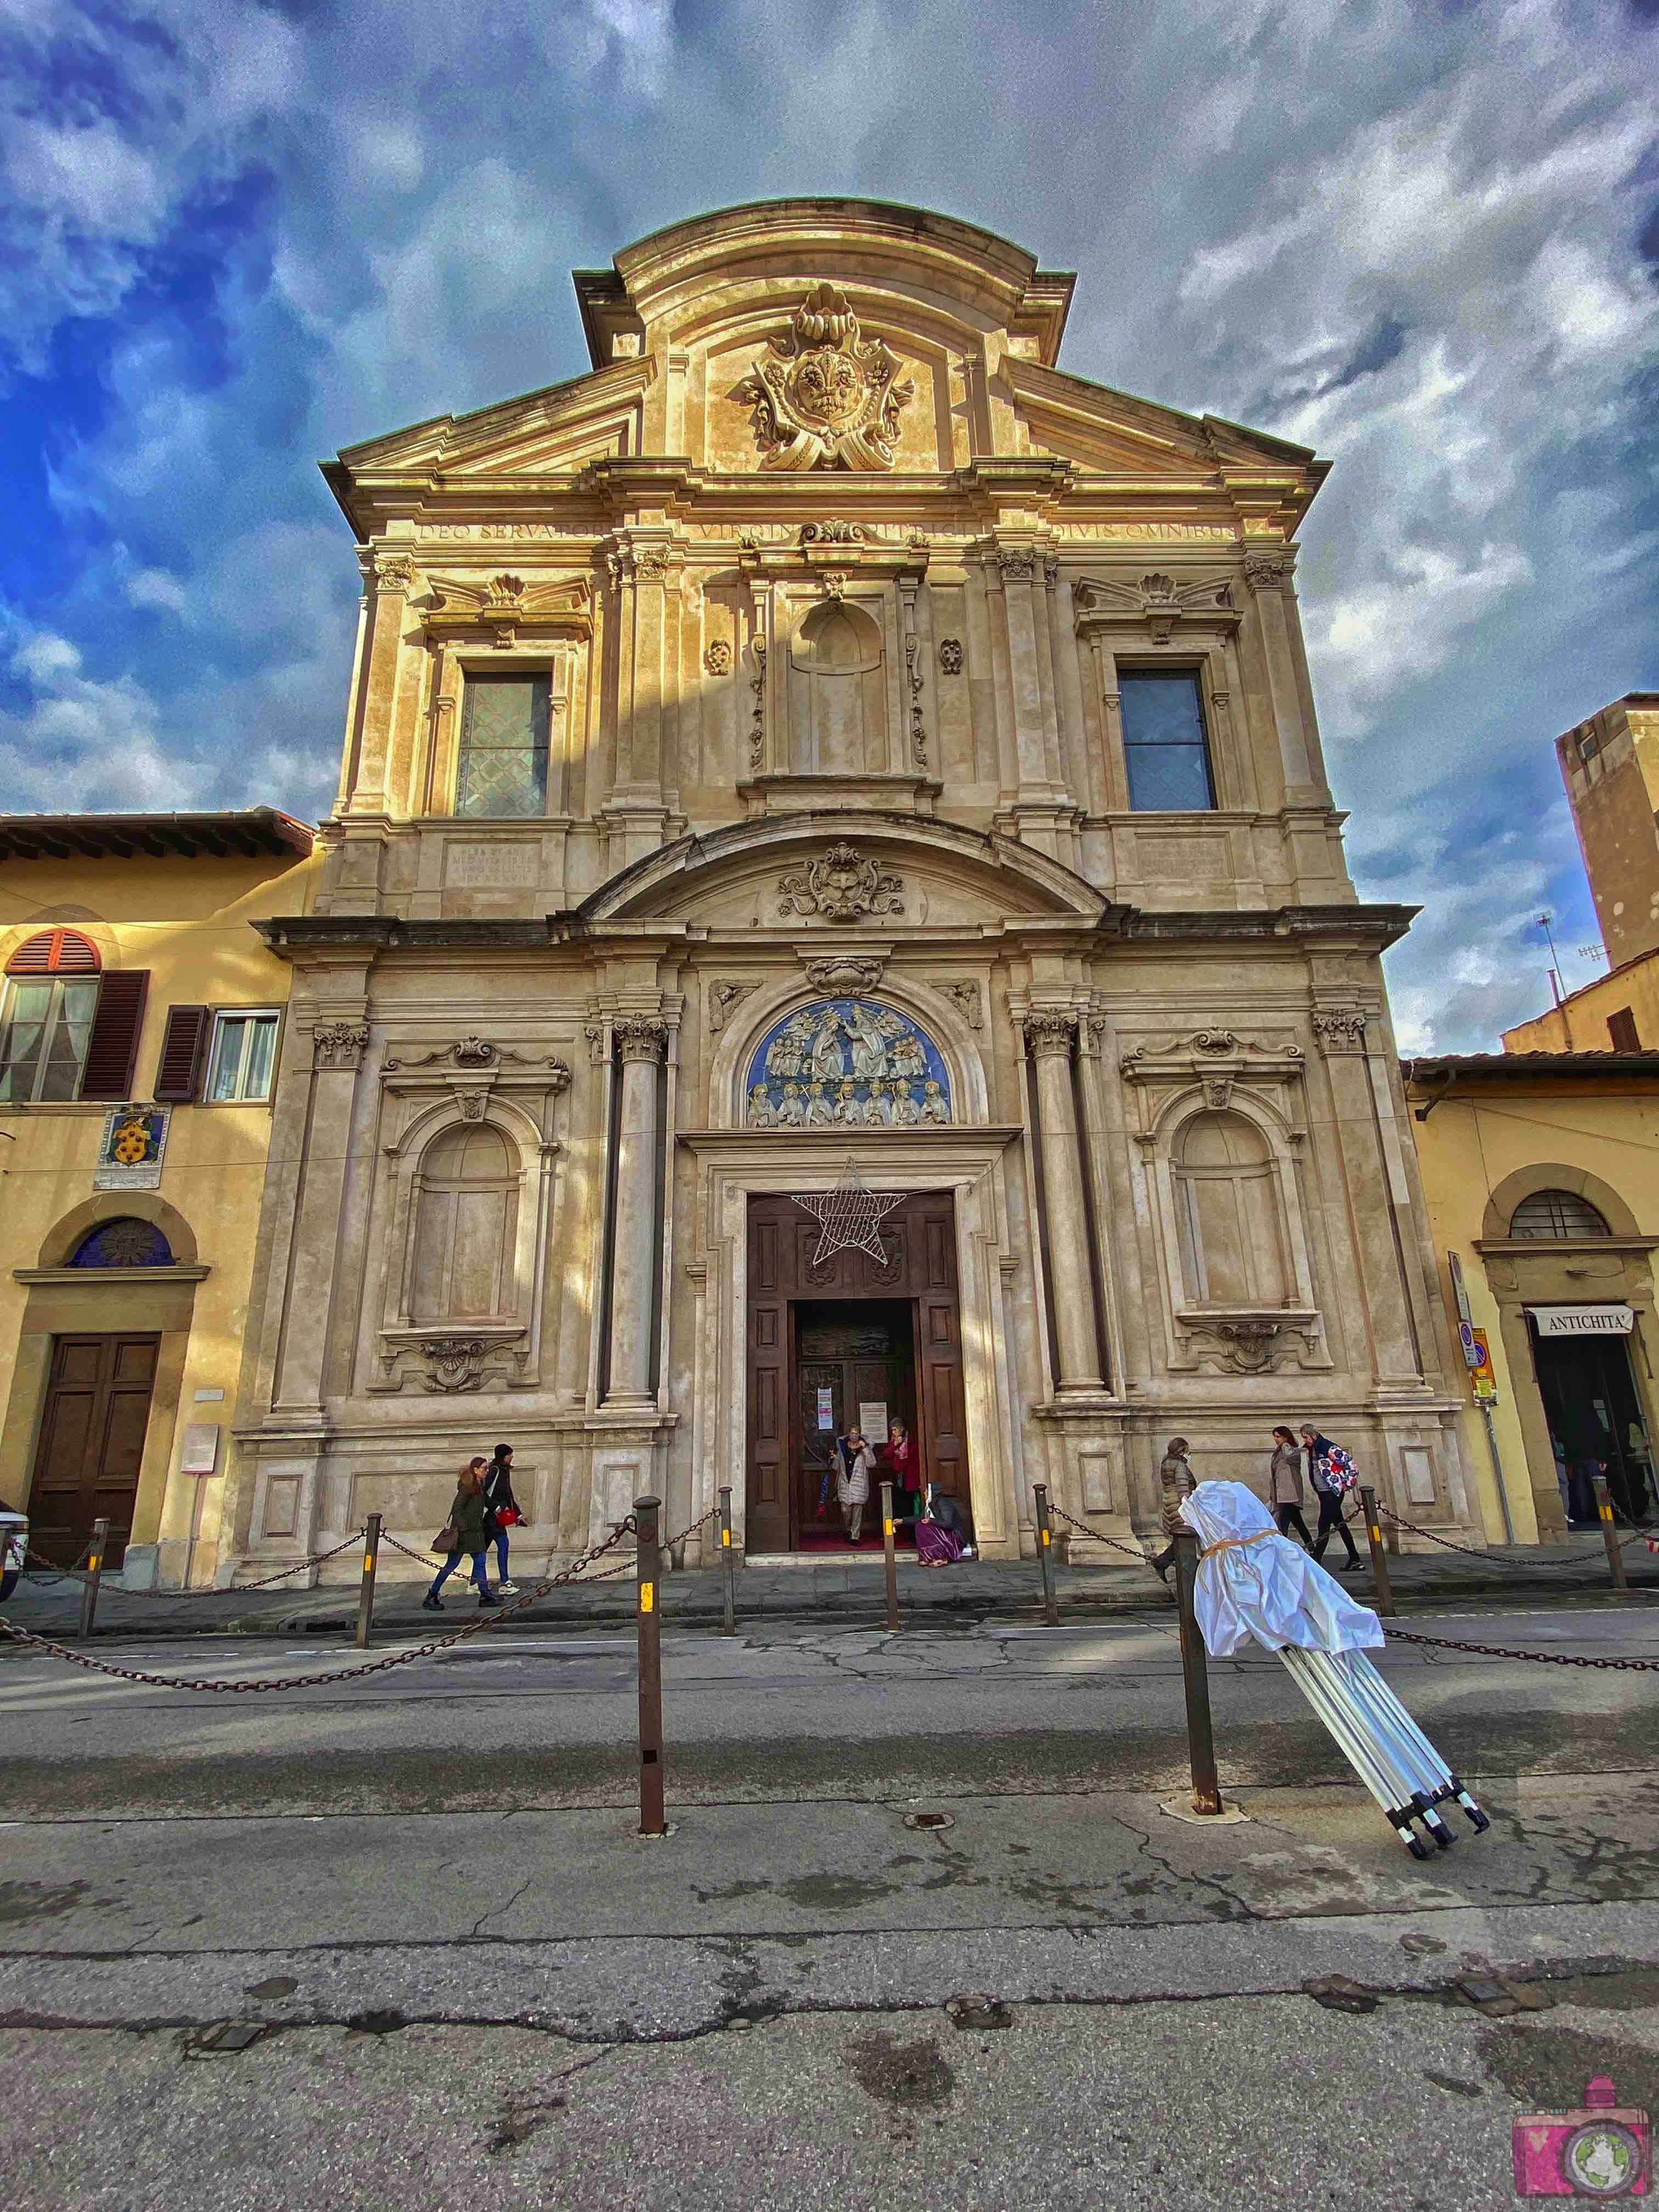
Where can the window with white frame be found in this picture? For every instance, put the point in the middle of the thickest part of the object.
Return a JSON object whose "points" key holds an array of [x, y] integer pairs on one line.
{"points": [[243, 1055]]}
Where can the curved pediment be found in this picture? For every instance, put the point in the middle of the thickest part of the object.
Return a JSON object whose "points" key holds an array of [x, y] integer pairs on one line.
{"points": [[844, 870]]}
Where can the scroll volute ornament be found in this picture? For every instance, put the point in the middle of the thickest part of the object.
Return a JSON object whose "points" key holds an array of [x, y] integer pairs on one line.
{"points": [[822, 397]]}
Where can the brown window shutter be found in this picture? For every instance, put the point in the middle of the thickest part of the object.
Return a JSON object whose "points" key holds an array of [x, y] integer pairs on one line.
{"points": [[112, 1048], [1621, 1030], [179, 1068]]}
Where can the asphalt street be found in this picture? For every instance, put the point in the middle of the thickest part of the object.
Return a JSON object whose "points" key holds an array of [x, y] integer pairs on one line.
{"points": [[451, 1965]]}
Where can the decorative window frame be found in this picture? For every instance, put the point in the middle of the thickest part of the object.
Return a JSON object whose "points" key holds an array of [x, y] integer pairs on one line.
{"points": [[506, 626], [419, 1106], [217, 1014], [1214, 1070], [1173, 626]]}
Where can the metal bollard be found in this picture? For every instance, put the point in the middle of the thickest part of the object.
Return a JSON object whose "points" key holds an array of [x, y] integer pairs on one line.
{"points": [[366, 1595], [1046, 1555], [1380, 1587], [94, 1575], [729, 1626], [1615, 1556], [652, 1822], [1200, 1735], [892, 1560]]}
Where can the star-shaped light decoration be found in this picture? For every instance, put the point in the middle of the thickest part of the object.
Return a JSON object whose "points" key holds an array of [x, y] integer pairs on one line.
{"points": [[849, 1217]]}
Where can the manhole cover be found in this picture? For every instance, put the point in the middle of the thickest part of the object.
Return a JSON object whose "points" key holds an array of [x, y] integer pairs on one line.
{"points": [[930, 1820]]}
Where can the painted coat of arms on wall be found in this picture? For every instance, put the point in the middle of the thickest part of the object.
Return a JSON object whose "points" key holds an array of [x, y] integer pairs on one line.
{"points": [[845, 1063], [131, 1151]]}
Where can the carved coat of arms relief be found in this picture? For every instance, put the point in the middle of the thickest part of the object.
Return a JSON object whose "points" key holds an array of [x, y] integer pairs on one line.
{"points": [[823, 397]]}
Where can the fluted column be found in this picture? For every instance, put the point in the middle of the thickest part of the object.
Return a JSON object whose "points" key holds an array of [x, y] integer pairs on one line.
{"points": [[1050, 1036], [634, 1243]]}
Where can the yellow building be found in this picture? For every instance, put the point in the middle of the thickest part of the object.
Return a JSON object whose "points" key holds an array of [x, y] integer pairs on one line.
{"points": [[140, 1017], [1617, 1012], [1541, 1173], [1610, 766]]}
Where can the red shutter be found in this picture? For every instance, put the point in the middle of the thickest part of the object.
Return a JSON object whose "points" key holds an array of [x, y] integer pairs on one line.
{"points": [[55, 952], [178, 1069], [114, 1047]]}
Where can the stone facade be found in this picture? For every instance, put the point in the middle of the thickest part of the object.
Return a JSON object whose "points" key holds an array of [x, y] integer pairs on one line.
{"points": [[824, 590]]}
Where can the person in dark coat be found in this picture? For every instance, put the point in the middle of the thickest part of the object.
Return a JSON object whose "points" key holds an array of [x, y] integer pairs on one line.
{"points": [[1176, 1480], [1284, 1492], [502, 1512], [1587, 1444], [1316, 1458], [466, 1520]]}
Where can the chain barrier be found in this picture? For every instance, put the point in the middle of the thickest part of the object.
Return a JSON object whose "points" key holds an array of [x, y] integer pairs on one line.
{"points": [[108, 1588], [1059, 1513], [496, 1617], [54, 1573], [1501, 1559], [1544, 1658]]}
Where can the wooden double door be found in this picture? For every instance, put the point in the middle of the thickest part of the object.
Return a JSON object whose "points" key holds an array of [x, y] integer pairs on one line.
{"points": [[92, 1443], [866, 1332]]}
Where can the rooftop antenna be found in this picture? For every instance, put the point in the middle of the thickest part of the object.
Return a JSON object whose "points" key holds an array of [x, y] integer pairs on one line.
{"points": [[1544, 921]]}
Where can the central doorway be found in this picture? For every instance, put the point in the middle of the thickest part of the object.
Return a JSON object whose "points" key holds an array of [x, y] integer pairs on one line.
{"points": [[92, 1445], [854, 1364], [869, 1333]]}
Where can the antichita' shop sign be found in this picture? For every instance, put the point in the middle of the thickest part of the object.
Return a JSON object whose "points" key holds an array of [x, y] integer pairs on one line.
{"points": [[1583, 1320]]}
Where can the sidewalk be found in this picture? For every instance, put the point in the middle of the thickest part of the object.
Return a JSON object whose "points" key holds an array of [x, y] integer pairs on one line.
{"points": [[828, 1595]]}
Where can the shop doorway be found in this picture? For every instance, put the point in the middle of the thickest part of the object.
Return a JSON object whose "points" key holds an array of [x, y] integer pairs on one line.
{"points": [[1593, 1410], [92, 1443], [869, 1334]]}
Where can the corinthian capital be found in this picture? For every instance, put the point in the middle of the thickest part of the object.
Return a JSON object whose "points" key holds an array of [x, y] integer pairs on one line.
{"points": [[1049, 1032], [640, 1037]]}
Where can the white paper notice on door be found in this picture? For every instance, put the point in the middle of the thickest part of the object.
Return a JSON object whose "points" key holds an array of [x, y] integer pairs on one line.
{"points": [[872, 1420], [826, 1410]]}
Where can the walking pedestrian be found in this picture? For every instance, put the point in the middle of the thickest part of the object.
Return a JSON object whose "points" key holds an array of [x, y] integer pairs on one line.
{"points": [[1317, 1454], [463, 1533], [1176, 1480], [502, 1512], [854, 1464], [1284, 1492]]}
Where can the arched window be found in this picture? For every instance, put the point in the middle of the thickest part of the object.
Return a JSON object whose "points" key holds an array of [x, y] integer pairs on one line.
{"points": [[123, 1242], [1228, 1214], [1556, 1213], [465, 1227], [46, 1016], [55, 952]]}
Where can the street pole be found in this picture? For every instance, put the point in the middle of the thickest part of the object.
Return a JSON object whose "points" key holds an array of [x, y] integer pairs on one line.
{"points": [[1381, 1591], [729, 1626], [892, 1561], [366, 1595], [648, 1591], [1046, 1555], [94, 1575], [1497, 1472], [1201, 1734], [1615, 1556]]}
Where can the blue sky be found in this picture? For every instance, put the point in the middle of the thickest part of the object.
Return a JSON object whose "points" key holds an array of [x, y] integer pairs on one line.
{"points": [[1426, 242]]}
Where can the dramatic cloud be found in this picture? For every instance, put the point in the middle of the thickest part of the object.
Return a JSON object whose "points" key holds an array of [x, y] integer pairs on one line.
{"points": [[234, 237]]}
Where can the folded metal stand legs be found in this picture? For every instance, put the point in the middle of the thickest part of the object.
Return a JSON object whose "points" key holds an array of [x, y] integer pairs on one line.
{"points": [[1383, 1744]]}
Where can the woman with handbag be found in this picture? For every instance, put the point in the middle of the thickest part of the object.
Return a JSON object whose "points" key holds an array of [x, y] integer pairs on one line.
{"points": [[464, 1533], [502, 1512], [855, 1462], [1284, 1491]]}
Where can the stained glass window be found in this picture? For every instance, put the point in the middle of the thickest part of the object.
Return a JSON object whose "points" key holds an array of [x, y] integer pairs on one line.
{"points": [[1164, 749], [123, 1242], [504, 728]]}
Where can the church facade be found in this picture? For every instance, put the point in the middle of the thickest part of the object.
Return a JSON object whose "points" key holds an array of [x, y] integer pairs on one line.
{"points": [[829, 744]]}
